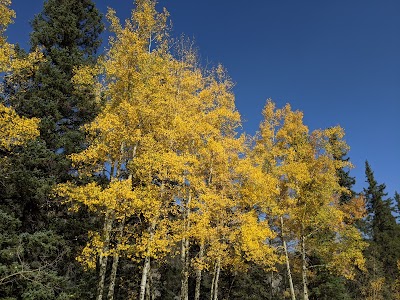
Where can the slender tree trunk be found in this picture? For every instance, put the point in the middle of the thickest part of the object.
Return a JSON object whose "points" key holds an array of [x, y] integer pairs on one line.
{"points": [[113, 276], [213, 282], [214, 286], [108, 220], [185, 270], [304, 267], [198, 274], [185, 253], [289, 273], [152, 288], [114, 268], [272, 284], [145, 273], [146, 267], [148, 286]]}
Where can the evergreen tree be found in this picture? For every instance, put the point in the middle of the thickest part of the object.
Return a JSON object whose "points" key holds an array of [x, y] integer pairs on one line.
{"points": [[343, 174], [383, 235], [251, 284], [67, 32], [397, 203], [40, 236], [380, 218]]}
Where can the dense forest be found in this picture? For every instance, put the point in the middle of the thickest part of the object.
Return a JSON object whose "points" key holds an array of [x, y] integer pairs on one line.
{"points": [[123, 176]]}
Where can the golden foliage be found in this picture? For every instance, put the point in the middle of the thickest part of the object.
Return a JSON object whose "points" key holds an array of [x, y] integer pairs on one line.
{"points": [[15, 130], [306, 167], [166, 141], [374, 290]]}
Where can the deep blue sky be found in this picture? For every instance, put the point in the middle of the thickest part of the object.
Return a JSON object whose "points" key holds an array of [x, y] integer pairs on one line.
{"points": [[337, 61]]}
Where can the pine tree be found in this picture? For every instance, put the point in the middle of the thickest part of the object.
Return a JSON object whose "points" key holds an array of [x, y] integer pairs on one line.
{"points": [[380, 217], [43, 235], [345, 180], [383, 235], [397, 203], [67, 33]]}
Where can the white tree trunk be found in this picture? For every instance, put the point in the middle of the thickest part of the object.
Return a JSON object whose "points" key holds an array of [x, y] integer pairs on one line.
{"points": [[289, 273], [214, 285], [147, 260], [108, 220], [145, 273], [198, 274], [114, 268], [185, 251], [148, 286], [304, 267]]}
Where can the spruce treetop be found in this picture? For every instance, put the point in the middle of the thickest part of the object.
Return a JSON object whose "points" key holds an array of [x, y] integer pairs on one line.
{"points": [[68, 25]]}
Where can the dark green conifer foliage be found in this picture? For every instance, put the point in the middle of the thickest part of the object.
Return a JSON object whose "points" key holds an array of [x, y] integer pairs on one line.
{"points": [[39, 235], [380, 216], [383, 234], [345, 180], [67, 32], [252, 284], [397, 203], [326, 286]]}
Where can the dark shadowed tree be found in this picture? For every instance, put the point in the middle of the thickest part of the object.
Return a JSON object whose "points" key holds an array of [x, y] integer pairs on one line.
{"points": [[383, 235], [39, 236]]}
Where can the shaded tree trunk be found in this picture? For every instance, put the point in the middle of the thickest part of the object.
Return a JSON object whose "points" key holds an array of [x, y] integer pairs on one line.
{"points": [[185, 270], [113, 276], [148, 286], [304, 267], [145, 273], [289, 273], [185, 253], [114, 268], [146, 266], [108, 220], [198, 274], [214, 285]]}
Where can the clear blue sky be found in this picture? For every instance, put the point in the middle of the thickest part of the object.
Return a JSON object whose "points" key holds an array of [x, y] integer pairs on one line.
{"points": [[337, 61]]}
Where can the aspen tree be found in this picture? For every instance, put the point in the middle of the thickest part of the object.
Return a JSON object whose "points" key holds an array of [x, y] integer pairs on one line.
{"points": [[231, 230], [169, 130], [217, 103], [309, 192], [142, 133], [133, 69], [224, 225]]}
